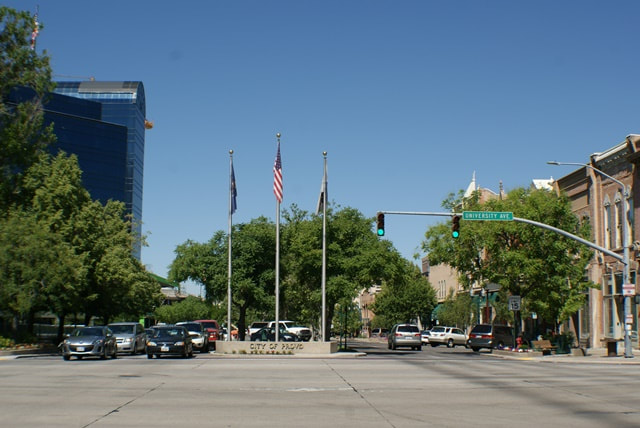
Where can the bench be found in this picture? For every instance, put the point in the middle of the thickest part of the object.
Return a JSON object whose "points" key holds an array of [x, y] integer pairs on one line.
{"points": [[543, 345]]}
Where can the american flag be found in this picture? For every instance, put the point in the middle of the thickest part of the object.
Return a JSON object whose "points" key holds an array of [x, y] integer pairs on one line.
{"points": [[35, 31], [277, 176]]}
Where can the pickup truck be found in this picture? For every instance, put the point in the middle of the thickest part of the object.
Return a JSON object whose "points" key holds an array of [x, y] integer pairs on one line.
{"points": [[304, 333]]}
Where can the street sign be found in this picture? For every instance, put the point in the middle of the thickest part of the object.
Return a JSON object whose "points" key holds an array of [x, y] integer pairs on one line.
{"points": [[487, 215], [514, 303], [628, 289]]}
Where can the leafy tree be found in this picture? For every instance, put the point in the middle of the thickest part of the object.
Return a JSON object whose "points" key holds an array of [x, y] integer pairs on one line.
{"points": [[545, 269], [22, 136], [455, 311], [253, 274], [356, 259], [191, 308], [38, 268], [405, 298]]}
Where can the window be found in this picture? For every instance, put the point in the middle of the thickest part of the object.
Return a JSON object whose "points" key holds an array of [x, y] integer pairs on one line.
{"points": [[619, 212], [608, 230]]}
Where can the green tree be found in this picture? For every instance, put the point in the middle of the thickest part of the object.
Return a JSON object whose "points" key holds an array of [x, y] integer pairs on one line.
{"points": [[22, 135], [405, 298], [456, 311], [253, 270], [544, 268], [38, 269], [191, 308]]}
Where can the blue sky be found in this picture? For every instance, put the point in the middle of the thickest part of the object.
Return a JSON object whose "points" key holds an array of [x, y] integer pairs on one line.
{"points": [[408, 98]]}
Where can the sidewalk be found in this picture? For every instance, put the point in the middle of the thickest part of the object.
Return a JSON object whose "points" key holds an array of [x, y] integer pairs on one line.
{"points": [[594, 355]]}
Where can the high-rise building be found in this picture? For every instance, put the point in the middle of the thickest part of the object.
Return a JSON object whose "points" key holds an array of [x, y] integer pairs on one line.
{"points": [[103, 124], [123, 103]]}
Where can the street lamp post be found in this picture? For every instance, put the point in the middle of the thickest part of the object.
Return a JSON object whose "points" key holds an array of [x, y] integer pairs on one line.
{"points": [[628, 351]]}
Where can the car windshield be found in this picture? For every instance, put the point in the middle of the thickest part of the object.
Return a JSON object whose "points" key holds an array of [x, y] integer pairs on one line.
{"points": [[192, 326], [408, 329], [481, 329], [437, 330], [209, 324], [168, 332], [127, 329], [89, 331]]}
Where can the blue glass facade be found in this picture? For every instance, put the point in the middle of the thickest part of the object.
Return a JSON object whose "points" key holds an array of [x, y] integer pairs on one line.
{"points": [[120, 103]]}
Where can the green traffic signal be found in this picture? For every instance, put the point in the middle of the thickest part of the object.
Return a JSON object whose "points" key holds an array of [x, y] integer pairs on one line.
{"points": [[455, 227], [380, 224]]}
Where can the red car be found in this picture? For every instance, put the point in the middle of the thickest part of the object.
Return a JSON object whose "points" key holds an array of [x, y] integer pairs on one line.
{"points": [[213, 328]]}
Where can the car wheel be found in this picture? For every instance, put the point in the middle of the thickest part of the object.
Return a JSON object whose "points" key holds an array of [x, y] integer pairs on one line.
{"points": [[475, 349], [66, 357], [450, 343], [149, 356], [419, 348]]}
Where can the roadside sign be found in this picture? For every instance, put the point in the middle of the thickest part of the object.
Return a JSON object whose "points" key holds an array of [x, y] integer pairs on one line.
{"points": [[514, 303], [628, 289], [487, 215]]}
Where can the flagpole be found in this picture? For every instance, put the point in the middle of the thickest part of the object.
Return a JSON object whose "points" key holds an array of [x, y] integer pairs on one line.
{"points": [[324, 249], [278, 198], [231, 185]]}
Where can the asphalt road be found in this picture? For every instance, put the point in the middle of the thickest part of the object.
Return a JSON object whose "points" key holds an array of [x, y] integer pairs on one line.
{"points": [[435, 387]]}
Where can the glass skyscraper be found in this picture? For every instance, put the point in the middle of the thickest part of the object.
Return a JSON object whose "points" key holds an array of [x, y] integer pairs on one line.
{"points": [[112, 166]]}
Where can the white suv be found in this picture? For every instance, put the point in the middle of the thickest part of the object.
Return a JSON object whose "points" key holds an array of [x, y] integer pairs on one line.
{"points": [[304, 333], [450, 336]]}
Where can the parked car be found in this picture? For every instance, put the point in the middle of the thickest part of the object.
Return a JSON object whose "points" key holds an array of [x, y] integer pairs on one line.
{"points": [[379, 332], [234, 332], [304, 333], [405, 335], [199, 336], [213, 329], [130, 337], [255, 326], [89, 342], [268, 334], [490, 337], [450, 336], [424, 335], [170, 340]]}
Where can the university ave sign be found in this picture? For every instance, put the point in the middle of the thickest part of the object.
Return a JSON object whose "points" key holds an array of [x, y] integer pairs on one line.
{"points": [[487, 215]]}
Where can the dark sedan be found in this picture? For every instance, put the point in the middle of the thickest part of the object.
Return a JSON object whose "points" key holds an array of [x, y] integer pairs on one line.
{"points": [[89, 342], [268, 334], [169, 340]]}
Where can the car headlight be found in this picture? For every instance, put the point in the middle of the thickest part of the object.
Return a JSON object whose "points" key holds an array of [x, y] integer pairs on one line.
{"points": [[179, 343], [127, 340], [150, 343]]}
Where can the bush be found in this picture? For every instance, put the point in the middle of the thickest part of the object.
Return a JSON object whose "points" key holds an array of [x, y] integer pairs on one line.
{"points": [[6, 343]]}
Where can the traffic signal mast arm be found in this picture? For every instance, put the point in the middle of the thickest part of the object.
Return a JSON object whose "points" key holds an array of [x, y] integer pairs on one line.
{"points": [[521, 220]]}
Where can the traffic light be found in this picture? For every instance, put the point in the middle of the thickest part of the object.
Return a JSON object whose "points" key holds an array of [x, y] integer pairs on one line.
{"points": [[380, 224], [455, 226]]}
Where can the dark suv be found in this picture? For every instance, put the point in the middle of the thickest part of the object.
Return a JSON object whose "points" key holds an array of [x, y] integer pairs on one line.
{"points": [[490, 336]]}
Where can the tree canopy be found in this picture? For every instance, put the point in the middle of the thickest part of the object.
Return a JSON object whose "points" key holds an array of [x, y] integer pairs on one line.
{"points": [[544, 268]]}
